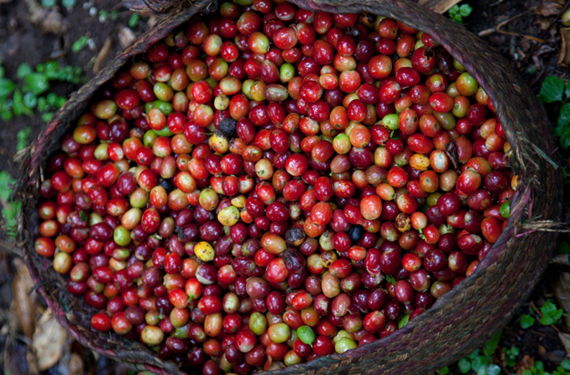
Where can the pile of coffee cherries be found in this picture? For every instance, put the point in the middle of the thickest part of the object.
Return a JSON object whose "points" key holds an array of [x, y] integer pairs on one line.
{"points": [[270, 185]]}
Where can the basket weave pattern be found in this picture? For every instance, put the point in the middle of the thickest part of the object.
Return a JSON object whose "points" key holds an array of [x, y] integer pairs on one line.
{"points": [[461, 320]]}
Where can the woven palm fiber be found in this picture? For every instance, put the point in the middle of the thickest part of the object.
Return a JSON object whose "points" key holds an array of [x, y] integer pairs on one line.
{"points": [[462, 319]]}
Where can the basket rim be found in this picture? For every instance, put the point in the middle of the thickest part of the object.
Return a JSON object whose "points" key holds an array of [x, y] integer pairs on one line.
{"points": [[521, 199]]}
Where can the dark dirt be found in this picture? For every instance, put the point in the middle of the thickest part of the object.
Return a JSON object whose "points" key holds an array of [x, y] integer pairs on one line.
{"points": [[22, 41]]}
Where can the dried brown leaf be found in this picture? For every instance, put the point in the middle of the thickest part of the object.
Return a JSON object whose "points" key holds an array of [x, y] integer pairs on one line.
{"points": [[48, 21], [126, 37], [548, 9], [152, 21], [525, 363], [439, 6], [24, 303], [542, 22], [564, 58], [49, 341], [102, 55], [75, 365], [565, 338]]}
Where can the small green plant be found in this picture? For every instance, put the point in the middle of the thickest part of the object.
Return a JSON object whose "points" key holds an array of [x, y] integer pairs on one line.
{"points": [[563, 369], [538, 369], [79, 44], [457, 13], [550, 313], [134, 20], [23, 138], [30, 91], [511, 356], [10, 209], [104, 15], [527, 321], [481, 360], [555, 90], [69, 4]]}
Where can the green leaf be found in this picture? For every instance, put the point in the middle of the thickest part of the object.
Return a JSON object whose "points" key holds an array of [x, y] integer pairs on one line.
{"points": [[464, 365], [405, 319], [552, 318], [564, 118], [565, 140], [444, 371], [6, 185], [42, 104], [46, 117], [551, 314], [552, 90], [68, 3], [60, 101], [23, 138], [493, 370], [465, 10], [30, 100], [527, 372], [36, 83], [512, 352], [79, 44], [390, 279], [474, 355], [48, 3], [479, 362], [6, 87], [10, 214], [51, 98], [134, 20], [527, 321], [17, 105], [548, 308], [23, 70], [491, 345], [2, 71], [565, 364], [51, 66], [7, 115]]}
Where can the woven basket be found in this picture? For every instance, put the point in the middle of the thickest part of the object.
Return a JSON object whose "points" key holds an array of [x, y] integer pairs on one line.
{"points": [[462, 319]]}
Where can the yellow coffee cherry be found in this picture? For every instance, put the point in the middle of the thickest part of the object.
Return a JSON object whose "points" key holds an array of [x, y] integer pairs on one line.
{"points": [[419, 162], [238, 201], [229, 216], [204, 251], [219, 143]]}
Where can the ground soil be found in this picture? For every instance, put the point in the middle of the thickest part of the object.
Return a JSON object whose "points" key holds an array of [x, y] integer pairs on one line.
{"points": [[22, 41]]}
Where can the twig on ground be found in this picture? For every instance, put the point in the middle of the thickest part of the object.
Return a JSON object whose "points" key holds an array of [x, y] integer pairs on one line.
{"points": [[497, 29]]}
